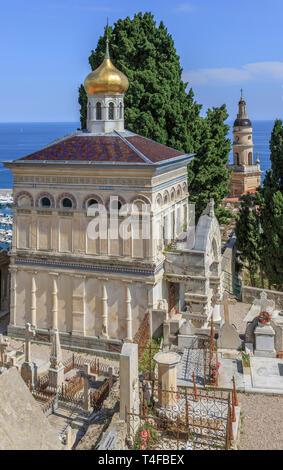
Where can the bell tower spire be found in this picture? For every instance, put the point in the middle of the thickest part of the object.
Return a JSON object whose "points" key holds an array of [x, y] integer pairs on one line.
{"points": [[245, 174]]}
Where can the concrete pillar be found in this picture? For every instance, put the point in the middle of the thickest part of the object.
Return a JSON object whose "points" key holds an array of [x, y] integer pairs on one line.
{"points": [[13, 301], [54, 294], [167, 377], [104, 309]]}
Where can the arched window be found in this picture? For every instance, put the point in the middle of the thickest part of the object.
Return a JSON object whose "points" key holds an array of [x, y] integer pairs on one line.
{"points": [[45, 202], [237, 159], [250, 158], [98, 112], [120, 111], [92, 202], [67, 203], [111, 111]]}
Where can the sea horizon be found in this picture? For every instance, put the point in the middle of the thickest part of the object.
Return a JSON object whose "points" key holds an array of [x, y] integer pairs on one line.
{"points": [[18, 139]]}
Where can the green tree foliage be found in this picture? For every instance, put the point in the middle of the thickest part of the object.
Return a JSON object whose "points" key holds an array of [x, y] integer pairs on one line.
{"points": [[249, 241], [276, 154], [157, 105], [259, 228], [208, 173], [83, 104], [271, 209]]}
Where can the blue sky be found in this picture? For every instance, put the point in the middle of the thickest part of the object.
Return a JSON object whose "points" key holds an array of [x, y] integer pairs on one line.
{"points": [[223, 44]]}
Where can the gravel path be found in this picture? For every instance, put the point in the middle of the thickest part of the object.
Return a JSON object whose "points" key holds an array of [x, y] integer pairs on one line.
{"points": [[262, 418]]}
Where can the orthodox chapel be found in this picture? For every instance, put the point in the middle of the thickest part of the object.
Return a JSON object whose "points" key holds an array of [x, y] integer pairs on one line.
{"points": [[97, 290]]}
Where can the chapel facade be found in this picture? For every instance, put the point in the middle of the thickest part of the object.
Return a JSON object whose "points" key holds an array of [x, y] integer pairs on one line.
{"points": [[97, 291]]}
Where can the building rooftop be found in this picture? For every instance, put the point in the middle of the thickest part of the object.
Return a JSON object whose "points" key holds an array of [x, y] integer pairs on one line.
{"points": [[115, 147]]}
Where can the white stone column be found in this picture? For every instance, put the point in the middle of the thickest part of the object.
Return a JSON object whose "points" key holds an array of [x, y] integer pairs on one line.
{"points": [[129, 320], [33, 298], [104, 309], [78, 305], [13, 301], [54, 295]]}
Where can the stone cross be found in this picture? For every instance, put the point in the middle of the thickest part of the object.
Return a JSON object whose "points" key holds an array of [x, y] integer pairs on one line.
{"points": [[4, 343], [30, 333], [226, 302], [264, 304]]}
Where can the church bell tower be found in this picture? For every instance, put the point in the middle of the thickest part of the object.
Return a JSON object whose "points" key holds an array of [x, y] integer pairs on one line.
{"points": [[246, 174]]}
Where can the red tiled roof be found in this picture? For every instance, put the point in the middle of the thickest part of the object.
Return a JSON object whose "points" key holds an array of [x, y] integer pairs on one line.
{"points": [[249, 191], [105, 149], [153, 150], [94, 148]]}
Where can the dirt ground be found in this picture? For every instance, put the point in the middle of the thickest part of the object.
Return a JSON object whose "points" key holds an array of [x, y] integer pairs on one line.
{"points": [[261, 422]]}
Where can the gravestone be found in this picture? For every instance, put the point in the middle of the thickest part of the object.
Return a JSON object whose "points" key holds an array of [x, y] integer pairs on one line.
{"points": [[4, 343], [110, 441], [27, 369], [264, 341], [228, 337], [129, 386], [186, 336], [56, 369]]}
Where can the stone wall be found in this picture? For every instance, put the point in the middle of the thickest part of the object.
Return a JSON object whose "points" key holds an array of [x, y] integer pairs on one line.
{"points": [[23, 424], [249, 294]]}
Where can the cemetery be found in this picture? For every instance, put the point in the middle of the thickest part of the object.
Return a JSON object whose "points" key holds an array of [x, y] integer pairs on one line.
{"points": [[183, 396]]}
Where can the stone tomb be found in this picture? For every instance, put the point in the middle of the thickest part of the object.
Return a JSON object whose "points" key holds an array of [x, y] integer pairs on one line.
{"points": [[266, 338], [264, 341]]}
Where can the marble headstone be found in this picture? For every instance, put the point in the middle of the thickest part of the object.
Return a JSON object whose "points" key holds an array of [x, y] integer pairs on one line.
{"points": [[228, 337]]}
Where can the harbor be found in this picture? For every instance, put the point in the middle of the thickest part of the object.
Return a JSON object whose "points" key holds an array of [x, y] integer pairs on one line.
{"points": [[6, 218]]}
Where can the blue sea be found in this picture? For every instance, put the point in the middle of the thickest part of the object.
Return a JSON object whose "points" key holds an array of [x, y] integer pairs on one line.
{"points": [[20, 139]]}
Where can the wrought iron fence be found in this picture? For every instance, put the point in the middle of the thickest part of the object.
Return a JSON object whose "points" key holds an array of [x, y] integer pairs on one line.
{"points": [[180, 419], [97, 366], [98, 396]]}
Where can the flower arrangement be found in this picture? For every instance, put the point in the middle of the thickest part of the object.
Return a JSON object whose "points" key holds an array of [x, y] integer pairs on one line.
{"points": [[213, 372], [264, 318], [145, 437], [246, 360]]}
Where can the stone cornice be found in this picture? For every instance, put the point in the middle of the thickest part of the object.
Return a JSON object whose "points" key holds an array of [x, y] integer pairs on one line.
{"points": [[92, 268]]}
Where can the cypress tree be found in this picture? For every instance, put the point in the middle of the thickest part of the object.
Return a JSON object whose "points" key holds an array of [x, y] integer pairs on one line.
{"points": [[271, 208], [249, 241], [208, 173], [157, 105], [276, 154]]}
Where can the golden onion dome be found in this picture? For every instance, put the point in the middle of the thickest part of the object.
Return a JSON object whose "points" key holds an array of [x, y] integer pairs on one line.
{"points": [[106, 79]]}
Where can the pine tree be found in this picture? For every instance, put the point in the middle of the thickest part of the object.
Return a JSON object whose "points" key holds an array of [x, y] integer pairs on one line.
{"points": [[248, 234], [208, 174], [157, 105]]}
